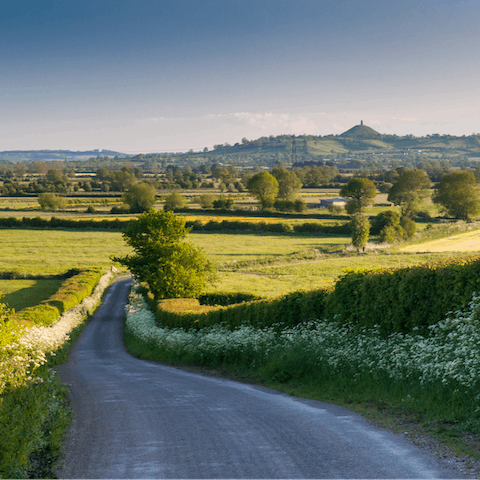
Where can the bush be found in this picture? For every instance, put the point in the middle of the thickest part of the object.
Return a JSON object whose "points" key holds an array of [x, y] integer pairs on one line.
{"points": [[384, 219], [119, 210], [50, 201], [409, 227], [223, 202], [174, 201]]}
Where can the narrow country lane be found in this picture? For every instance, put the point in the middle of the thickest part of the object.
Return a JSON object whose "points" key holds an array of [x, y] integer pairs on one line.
{"points": [[139, 419]]}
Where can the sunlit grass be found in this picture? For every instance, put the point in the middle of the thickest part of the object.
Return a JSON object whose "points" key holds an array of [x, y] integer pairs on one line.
{"points": [[464, 242], [20, 294], [47, 252], [276, 280]]}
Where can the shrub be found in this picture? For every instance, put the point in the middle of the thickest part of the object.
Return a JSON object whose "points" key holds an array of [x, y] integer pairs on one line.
{"points": [[384, 219], [409, 227], [223, 202], [50, 201]]}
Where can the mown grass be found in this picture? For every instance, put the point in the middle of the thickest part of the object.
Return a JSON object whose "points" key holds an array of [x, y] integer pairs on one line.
{"points": [[51, 252], [20, 294]]}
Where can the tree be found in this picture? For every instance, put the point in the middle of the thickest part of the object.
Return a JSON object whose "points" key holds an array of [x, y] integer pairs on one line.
{"points": [[410, 189], [264, 186], [140, 197], [360, 230], [169, 265], [206, 200], [50, 201], [361, 192], [456, 193], [174, 201], [288, 183]]}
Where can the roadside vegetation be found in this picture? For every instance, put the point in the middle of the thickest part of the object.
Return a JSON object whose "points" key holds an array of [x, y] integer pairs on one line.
{"points": [[34, 404]]}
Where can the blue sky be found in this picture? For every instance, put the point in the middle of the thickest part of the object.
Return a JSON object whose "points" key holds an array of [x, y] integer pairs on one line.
{"points": [[170, 75]]}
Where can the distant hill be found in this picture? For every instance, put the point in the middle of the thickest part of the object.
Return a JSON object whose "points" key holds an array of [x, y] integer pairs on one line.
{"points": [[57, 155], [359, 139], [361, 131]]}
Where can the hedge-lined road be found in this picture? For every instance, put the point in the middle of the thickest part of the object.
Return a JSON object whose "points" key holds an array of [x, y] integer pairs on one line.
{"points": [[138, 419]]}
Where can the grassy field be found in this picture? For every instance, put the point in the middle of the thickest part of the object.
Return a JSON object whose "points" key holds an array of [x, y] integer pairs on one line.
{"points": [[464, 242], [48, 252], [266, 265], [20, 294], [276, 280]]}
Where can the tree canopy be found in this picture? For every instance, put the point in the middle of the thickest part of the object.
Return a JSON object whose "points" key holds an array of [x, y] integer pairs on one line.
{"points": [[264, 186], [360, 192], [457, 194], [410, 189], [171, 266], [360, 230], [288, 183], [140, 197]]}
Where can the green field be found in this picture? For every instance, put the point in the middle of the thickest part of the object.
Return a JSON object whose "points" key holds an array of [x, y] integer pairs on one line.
{"points": [[20, 294], [266, 265]]}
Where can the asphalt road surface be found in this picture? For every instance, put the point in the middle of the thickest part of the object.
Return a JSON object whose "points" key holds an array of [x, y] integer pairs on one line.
{"points": [[139, 419]]}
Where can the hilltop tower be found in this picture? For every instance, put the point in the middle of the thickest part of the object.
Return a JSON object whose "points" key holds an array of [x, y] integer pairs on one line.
{"points": [[361, 122]]}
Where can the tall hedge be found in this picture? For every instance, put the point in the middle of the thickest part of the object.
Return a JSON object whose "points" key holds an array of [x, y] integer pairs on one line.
{"points": [[289, 310], [399, 299]]}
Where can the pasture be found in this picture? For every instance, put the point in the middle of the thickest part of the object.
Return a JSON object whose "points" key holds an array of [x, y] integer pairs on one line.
{"points": [[265, 265], [463, 242]]}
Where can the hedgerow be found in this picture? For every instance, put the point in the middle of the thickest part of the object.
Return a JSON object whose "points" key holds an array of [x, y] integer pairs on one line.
{"points": [[400, 299], [289, 310], [72, 291], [33, 402]]}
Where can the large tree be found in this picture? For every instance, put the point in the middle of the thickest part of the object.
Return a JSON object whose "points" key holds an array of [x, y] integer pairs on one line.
{"points": [[457, 194], [288, 183], [409, 191], [140, 197], [360, 192], [171, 266], [264, 186]]}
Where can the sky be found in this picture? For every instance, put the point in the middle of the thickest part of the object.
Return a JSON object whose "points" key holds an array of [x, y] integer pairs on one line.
{"points": [[173, 75]]}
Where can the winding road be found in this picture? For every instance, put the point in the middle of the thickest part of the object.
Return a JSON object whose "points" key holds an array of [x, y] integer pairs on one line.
{"points": [[139, 419]]}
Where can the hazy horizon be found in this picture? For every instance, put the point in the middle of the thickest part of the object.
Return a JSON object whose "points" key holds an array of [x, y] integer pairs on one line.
{"points": [[151, 76]]}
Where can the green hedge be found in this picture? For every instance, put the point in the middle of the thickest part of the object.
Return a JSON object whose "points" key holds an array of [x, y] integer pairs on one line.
{"points": [[400, 299], [75, 289], [226, 298], [72, 291], [397, 299], [289, 310], [211, 226]]}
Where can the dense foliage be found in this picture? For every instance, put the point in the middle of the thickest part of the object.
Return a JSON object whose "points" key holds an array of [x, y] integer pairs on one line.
{"points": [[400, 299], [163, 259], [457, 194]]}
